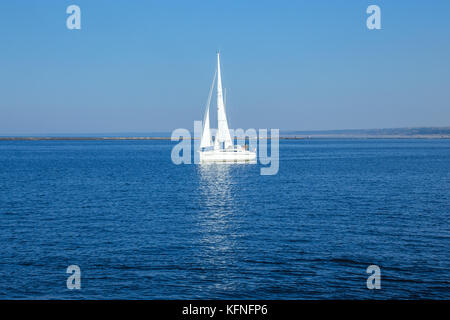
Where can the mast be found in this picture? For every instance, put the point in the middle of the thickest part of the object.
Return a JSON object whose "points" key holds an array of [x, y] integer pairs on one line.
{"points": [[223, 132]]}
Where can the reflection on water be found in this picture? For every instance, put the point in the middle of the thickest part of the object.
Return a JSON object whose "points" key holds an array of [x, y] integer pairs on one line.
{"points": [[215, 186], [216, 223]]}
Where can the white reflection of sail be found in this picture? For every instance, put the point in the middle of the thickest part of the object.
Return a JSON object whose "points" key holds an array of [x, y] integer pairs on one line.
{"points": [[216, 222], [217, 201], [215, 184]]}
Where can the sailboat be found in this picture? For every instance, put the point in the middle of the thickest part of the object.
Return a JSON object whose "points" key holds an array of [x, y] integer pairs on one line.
{"points": [[223, 148]]}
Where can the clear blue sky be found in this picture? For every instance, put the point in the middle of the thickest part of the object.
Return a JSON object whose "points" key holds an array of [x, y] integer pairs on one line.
{"points": [[145, 66]]}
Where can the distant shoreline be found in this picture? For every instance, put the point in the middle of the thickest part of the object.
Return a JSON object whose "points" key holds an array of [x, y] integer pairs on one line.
{"points": [[387, 133], [323, 136]]}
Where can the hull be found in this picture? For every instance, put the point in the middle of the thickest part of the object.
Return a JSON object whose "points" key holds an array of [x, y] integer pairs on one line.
{"points": [[227, 156]]}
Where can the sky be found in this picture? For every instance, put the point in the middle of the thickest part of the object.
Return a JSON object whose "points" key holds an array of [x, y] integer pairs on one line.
{"points": [[146, 66]]}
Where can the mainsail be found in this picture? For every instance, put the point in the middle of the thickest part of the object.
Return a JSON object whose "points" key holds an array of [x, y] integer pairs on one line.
{"points": [[223, 133], [206, 140]]}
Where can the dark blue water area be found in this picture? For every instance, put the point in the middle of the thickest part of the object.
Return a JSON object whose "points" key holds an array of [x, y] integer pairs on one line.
{"points": [[141, 227]]}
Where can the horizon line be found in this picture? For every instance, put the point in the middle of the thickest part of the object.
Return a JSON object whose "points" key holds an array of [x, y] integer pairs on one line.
{"points": [[118, 133]]}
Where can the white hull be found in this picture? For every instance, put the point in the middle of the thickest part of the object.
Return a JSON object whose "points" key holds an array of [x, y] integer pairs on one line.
{"points": [[227, 156]]}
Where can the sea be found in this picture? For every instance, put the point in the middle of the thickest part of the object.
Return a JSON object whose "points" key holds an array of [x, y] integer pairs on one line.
{"points": [[139, 226]]}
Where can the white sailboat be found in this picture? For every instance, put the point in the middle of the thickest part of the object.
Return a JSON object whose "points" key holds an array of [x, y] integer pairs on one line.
{"points": [[223, 149]]}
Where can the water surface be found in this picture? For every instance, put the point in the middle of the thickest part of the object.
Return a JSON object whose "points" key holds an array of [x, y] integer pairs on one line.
{"points": [[141, 227]]}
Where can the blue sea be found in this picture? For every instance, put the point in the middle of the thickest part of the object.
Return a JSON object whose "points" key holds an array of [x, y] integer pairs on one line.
{"points": [[141, 227]]}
